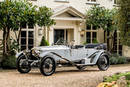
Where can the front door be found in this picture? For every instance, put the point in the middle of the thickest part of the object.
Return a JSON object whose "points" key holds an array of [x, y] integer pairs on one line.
{"points": [[58, 34]]}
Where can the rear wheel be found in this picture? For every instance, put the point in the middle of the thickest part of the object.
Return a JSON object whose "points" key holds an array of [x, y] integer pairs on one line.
{"points": [[103, 63], [22, 64], [47, 66]]}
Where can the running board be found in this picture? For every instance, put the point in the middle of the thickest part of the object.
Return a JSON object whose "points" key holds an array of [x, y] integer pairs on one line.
{"points": [[84, 64]]}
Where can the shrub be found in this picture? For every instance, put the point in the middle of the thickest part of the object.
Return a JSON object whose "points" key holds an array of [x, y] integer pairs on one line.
{"points": [[44, 42], [9, 62], [116, 59], [95, 40]]}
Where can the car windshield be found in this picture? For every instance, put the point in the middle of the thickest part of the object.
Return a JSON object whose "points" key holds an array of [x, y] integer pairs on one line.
{"points": [[91, 45], [61, 41]]}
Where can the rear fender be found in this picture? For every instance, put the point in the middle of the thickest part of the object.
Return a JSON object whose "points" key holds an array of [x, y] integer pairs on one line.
{"points": [[98, 56]]}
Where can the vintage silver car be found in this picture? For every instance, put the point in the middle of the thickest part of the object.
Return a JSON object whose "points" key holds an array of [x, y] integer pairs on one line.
{"points": [[48, 57]]}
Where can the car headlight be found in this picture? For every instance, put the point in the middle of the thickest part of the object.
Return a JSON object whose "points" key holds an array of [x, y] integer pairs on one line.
{"points": [[36, 52]]}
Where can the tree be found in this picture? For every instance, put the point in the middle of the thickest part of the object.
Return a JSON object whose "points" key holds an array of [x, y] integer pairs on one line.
{"points": [[44, 18], [102, 18], [124, 21], [12, 14], [16, 12]]}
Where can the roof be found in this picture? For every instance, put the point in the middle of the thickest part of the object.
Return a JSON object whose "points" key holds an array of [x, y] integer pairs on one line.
{"points": [[69, 9]]}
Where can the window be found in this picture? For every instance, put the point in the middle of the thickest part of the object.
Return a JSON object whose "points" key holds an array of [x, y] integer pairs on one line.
{"points": [[91, 0], [90, 27], [27, 36], [115, 1], [88, 37], [62, 0], [91, 34]]}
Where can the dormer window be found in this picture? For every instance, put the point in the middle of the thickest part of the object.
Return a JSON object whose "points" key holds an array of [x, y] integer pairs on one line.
{"points": [[91, 0], [62, 0]]}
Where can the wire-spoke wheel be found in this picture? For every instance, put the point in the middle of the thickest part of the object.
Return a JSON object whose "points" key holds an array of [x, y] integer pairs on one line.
{"points": [[103, 63], [47, 66], [22, 64]]}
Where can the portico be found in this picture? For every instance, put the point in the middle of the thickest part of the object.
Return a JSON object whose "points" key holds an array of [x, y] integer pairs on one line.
{"points": [[68, 25]]}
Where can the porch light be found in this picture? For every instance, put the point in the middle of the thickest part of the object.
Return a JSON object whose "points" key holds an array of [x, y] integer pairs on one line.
{"points": [[82, 32], [39, 32]]}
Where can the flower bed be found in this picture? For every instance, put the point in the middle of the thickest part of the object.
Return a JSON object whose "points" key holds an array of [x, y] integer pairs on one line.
{"points": [[117, 80]]}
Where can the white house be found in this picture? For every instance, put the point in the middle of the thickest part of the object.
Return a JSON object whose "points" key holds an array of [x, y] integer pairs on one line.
{"points": [[70, 23]]}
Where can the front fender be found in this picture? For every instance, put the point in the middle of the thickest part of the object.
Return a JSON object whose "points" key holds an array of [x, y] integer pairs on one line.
{"points": [[42, 55], [48, 54], [18, 54]]}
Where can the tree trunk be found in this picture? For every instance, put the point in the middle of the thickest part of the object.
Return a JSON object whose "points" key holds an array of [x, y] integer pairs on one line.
{"points": [[45, 32], [108, 33], [19, 34], [104, 36], [6, 41]]}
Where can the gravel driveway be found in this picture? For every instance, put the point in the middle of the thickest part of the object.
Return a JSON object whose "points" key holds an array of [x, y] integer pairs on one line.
{"points": [[64, 77]]}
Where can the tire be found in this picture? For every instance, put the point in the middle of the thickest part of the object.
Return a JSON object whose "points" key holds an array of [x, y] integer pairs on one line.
{"points": [[24, 67], [49, 64], [81, 68], [103, 63]]}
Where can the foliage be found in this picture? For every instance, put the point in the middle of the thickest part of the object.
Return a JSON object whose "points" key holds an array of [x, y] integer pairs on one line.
{"points": [[12, 15], [15, 12], [14, 45], [44, 17], [9, 62], [85, 43], [44, 42], [101, 17], [116, 77], [116, 59], [124, 21], [95, 40]]}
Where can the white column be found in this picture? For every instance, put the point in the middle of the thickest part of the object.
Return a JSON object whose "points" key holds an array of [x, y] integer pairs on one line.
{"points": [[51, 36], [65, 34], [75, 36], [79, 30]]}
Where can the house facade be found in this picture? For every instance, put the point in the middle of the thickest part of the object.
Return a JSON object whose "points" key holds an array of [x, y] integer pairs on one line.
{"points": [[69, 16], [70, 21]]}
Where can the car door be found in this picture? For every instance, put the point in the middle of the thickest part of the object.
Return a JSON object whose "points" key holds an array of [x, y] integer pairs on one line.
{"points": [[77, 54]]}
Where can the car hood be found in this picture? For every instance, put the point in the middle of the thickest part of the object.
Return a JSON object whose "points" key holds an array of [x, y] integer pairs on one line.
{"points": [[56, 47]]}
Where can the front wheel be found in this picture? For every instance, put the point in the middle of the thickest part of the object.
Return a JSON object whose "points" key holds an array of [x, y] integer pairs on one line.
{"points": [[22, 64], [47, 66], [103, 63]]}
